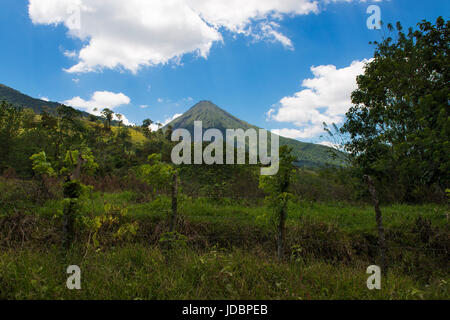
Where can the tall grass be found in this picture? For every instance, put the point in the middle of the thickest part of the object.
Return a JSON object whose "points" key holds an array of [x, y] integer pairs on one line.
{"points": [[228, 253], [142, 272]]}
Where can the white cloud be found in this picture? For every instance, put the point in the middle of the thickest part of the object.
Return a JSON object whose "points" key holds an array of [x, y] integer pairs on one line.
{"points": [[45, 99], [237, 15], [331, 145], [154, 126], [325, 98], [70, 54], [305, 133], [99, 101], [124, 119], [269, 33], [135, 33], [144, 106]]}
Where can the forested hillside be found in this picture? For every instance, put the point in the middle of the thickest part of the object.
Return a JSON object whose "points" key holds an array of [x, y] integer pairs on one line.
{"points": [[20, 100], [94, 193], [307, 154]]}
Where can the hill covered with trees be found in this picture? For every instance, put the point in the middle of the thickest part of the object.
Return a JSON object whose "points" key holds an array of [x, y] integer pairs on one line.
{"points": [[107, 198], [307, 154]]}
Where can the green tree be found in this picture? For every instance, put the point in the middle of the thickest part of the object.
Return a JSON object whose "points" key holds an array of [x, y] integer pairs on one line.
{"points": [[43, 168], [160, 175], [41, 165], [399, 125], [119, 117], [10, 125], [277, 189], [75, 161], [146, 127], [108, 114]]}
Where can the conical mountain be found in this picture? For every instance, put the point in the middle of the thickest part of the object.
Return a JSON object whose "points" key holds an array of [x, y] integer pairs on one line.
{"points": [[308, 154], [211, 116]]}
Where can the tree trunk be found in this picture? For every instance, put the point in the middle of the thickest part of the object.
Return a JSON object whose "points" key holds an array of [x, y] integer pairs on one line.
{"points": [[77, 171], [173, 217], [68, 223], [72, 193], [379, 219], [280, 242]]}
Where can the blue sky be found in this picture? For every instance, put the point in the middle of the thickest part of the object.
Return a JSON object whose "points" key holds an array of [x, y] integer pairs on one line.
{"points": [[155, 59]]}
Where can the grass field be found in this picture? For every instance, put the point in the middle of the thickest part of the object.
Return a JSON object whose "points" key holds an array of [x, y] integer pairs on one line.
{"points": [[141, 272], [225, 249]]}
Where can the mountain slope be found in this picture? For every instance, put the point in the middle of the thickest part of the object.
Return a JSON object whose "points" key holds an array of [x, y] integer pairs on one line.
{"points": [[308, 154], [18, 99]]}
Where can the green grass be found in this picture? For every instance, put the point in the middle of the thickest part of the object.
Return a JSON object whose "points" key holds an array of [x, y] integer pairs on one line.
{"points": [[142, 272], [362, 218], [346, 217], [229, 252], [136, 136]]}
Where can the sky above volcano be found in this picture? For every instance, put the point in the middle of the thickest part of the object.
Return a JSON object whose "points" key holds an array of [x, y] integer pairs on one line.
{"points": [[284, 65]]}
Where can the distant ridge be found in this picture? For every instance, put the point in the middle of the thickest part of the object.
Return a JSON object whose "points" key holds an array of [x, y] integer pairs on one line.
{"points": [[18, 99], [308, 154]]}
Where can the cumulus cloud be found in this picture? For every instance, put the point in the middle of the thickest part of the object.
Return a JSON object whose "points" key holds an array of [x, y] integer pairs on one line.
{"points": [[154, 126], [324, 98], [99, 101], [70, 54], [135, 33], [331, 145], [305, 133], [237, 15]]}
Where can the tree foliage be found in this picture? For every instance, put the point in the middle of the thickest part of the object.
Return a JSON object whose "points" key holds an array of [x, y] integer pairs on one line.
{"points": [[399, 125], [41, 165], [276, 187], [156, 173]]}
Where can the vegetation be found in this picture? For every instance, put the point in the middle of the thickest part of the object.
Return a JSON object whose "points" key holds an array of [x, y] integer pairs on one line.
{"points": [[228, 251], [400, 122], [307, 154], [92, 192]]}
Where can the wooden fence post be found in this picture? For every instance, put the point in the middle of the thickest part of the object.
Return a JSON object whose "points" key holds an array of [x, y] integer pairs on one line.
{"points": [[173, 217], [379, 219]]}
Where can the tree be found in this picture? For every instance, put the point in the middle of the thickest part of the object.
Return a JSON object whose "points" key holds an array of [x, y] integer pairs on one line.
{"points": [[119, 117], [399, 125], [10, 125], [69, 132], [108, 114], [276, 188], [147, 123], [43, 168], [67, 114], [41, 165], [160, 175], [168, 133], [146, 127], [78, 160], [74, 162]]}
